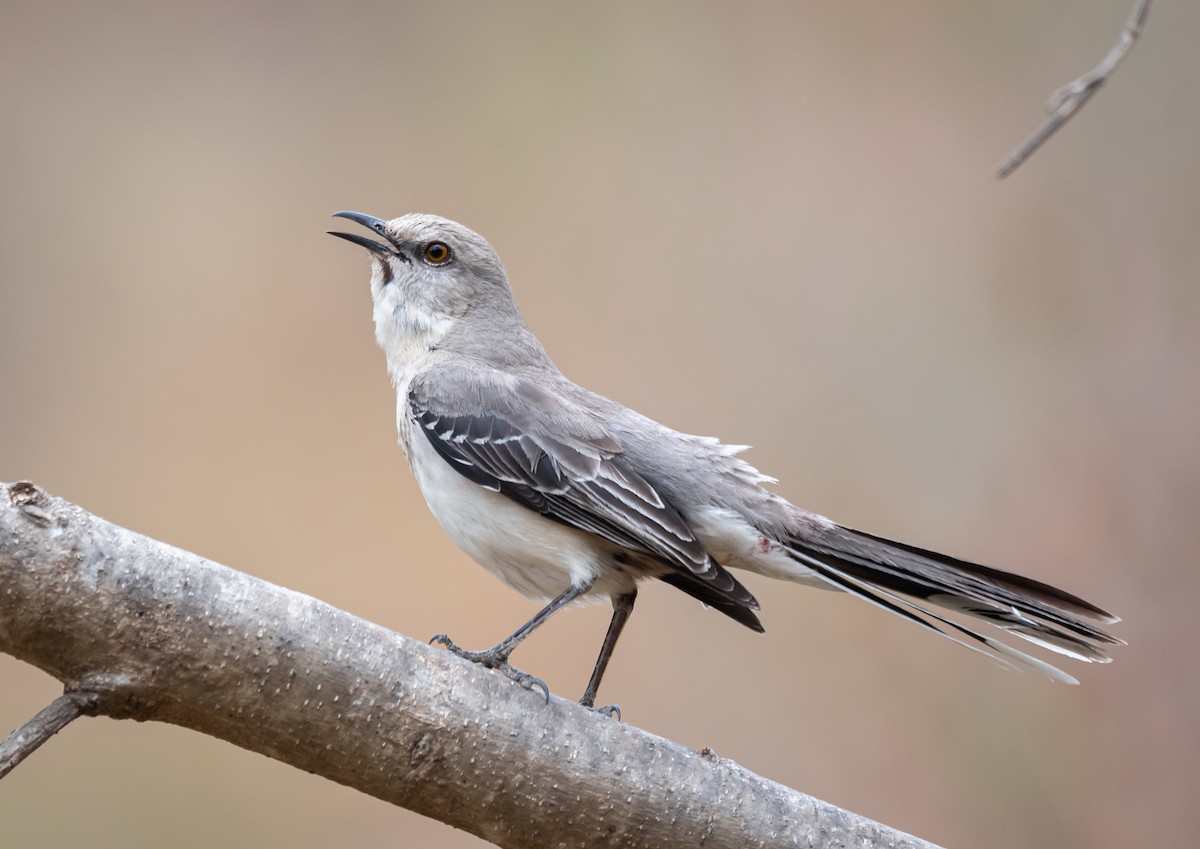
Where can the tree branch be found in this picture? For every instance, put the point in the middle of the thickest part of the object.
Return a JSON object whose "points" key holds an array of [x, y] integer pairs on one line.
{"points": [[49, 721], [1069, 99], [151, 632]]}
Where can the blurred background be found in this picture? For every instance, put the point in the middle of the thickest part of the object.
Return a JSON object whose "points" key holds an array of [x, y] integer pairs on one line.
{"points": [[776, 223]]}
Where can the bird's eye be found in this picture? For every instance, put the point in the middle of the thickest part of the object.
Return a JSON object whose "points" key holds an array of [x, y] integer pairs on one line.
{"points": [[436, 253]]}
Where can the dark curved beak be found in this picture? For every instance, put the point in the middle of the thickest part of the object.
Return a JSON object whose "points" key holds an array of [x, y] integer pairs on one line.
{"points": [[376, 224]]}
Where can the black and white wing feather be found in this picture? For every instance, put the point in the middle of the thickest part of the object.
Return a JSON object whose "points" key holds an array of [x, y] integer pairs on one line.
{"points": [[512, 437]]}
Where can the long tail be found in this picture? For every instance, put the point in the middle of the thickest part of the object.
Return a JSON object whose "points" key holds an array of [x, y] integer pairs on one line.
{"points": [[906, 580]]}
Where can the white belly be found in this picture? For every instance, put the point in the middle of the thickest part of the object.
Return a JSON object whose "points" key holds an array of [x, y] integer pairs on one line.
{"points": [[536, 556]]}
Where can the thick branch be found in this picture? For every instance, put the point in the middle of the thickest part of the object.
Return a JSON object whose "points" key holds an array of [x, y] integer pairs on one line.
{"points": [[151, 632], [1069, 99]]}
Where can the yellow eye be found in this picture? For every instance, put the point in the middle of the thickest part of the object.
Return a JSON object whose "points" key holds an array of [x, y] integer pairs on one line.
{"points": [[437, 253]]}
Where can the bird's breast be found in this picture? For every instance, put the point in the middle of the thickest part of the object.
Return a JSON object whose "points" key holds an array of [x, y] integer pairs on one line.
{"points": [[536, 556]]}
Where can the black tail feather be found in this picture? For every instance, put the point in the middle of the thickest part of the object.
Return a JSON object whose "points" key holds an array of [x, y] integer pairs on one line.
{"points": [[897, 577], [736, 610]]}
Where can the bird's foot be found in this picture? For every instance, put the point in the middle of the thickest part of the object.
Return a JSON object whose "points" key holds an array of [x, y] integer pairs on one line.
{"points": [[589, 701], [611, 711], [494, 658]]}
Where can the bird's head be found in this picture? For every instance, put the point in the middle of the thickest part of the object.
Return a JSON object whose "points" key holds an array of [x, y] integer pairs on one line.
{"points": [[428, 275]]}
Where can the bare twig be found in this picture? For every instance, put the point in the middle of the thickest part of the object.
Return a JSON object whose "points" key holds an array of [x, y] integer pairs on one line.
{"points": [[48, 722], [1069, 99], [155, 633]]}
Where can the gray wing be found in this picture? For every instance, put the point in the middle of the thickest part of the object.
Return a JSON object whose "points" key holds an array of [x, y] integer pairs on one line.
{"points": [[540, 450]]}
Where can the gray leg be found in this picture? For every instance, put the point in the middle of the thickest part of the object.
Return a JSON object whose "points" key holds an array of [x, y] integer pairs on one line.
{"points": [[622, 607], [497, 656]]}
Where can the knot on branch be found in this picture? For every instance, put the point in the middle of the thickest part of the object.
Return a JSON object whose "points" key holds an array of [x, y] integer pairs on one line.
{"points": [[32, 501]]}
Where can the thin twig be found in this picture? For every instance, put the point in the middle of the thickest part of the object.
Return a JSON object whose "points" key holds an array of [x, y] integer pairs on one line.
{"points": [[1070, 98], [49, 721]]}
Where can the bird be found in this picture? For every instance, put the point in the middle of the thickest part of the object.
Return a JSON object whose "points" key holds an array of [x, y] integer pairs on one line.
{"points": [[568, 496]]}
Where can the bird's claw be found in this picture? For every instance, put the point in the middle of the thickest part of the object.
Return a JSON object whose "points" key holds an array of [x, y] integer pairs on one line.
{"points": [[611, 711], [526, 680], [493, 658], [589, 701]]}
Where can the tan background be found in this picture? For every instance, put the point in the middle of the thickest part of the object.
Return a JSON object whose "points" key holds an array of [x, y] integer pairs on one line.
{"points": [[777, 225]]}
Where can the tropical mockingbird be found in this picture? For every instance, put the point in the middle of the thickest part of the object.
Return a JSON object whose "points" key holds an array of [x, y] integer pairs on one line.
{"points": [[564, 494]]}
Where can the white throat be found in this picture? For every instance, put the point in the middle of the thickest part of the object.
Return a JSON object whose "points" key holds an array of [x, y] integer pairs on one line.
{"points": [[407, 337]]}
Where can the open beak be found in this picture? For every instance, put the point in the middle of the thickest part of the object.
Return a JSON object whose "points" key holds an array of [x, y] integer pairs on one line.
{"points": [[376, 224]]}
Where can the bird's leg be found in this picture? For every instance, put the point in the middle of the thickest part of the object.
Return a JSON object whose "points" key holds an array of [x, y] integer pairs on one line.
{"points": [[497, 656], [622, 607]]}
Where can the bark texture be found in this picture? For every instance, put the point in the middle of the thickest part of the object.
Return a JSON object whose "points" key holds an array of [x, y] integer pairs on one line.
{"points": [[142, 630]]}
